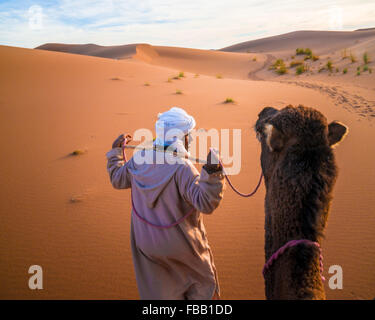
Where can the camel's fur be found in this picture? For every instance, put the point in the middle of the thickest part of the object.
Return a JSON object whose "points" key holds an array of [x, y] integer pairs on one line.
{"points": [[300, 171]]}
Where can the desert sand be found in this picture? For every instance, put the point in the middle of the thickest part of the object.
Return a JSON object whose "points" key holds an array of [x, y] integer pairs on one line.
{"points": [[60, 211]]}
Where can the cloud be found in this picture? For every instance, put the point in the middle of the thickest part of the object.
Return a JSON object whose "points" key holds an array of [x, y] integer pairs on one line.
{"points": [[199, 24]]}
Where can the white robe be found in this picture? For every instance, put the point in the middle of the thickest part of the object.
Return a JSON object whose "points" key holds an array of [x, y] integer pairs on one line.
{"points": [[174, 263]]}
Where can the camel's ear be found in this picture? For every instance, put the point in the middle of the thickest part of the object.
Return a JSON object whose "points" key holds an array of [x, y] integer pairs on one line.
{"points": [[274, 138], [336, 133]]}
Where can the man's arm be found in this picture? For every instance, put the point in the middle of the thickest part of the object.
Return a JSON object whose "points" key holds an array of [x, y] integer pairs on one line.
{"points": [[117, 168], [203, 191]]}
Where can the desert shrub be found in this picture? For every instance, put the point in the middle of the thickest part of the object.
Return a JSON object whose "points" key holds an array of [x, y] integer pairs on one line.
{"points": [[228, 100], [279, 67], [358, 73], [181, 74], [315, 58], [307, 52], [178, 91], [77, 152], [300, 51], [295, 63], [146, 84], [279, 62], [365, 68], [345, 71], [255, 59], [301, 69], [219, 76], [353, 58], [366, 59], [329, 65], [281, 70]]}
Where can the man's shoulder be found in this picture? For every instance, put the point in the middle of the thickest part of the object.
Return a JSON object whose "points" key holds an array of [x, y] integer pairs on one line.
{"points": [[186, 165]]}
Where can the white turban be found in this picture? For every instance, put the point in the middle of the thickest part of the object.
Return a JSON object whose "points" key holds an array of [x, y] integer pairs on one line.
{"points": [[172, 126]]}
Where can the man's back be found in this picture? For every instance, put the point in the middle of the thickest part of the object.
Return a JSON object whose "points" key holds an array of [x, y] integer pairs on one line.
{"points": [[162, 194]]}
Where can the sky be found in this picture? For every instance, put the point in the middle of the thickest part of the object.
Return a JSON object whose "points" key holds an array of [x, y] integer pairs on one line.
{"points": [[210, 24]]}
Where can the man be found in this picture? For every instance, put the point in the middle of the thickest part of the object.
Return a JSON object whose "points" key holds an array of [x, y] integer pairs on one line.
{"points": [[171, 260]]}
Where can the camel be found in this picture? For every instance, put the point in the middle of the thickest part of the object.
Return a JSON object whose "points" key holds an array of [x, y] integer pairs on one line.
{"points": [[299, 171]]}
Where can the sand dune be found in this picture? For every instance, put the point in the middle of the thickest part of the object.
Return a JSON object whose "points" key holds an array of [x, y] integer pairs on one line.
{"points": [[251, 59], [112, 52], [60, 211], [207, 62], [323, 41]]}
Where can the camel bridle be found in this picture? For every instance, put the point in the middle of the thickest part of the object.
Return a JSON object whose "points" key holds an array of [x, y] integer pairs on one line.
{"points": [[290, 244]]}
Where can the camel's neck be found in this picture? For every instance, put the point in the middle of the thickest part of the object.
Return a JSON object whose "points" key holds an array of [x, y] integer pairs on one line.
{"points": [[297, 205], [295, 274]]}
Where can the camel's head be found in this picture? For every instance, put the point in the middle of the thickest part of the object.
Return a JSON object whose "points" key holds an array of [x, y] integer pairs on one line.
{"points": [[301, 128]]}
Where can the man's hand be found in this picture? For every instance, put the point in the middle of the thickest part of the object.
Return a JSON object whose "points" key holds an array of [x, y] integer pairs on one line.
{"points": [[118, 143], [213, 164]]}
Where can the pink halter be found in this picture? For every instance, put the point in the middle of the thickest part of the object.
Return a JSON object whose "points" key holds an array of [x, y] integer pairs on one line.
{"points": [[290, 244]]}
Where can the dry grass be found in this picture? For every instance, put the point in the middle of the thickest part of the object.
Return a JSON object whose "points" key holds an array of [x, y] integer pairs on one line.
{"points": [[301, 69], [301, 51], [279, 67], [329, 66], [229, 100], [78, 152], [366, 58], [295, 63], [180, 75]]}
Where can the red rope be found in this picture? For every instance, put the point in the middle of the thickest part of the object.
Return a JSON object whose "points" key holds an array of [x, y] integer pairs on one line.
{"points": [[245, 195]]}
